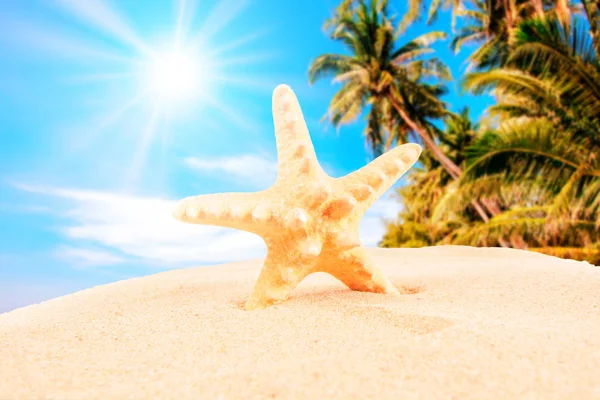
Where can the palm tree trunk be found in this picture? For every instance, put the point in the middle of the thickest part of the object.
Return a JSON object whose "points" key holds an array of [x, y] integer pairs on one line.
{"points": [[563, 12], [492, 206], [509, 19], [518, 242], [454, 170], [538, 6], [390, 139], [480, 211], [486, 219]]}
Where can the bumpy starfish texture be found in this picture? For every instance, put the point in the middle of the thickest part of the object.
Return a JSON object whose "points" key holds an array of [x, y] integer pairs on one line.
{"points": [[308, 220]]}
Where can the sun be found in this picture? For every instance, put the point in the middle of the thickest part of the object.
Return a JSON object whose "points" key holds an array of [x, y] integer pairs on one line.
{"points": [[170, 76], [175, 75]]}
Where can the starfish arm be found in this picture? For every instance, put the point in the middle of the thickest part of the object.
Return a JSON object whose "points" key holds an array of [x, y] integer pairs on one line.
{"points": [[355, 269], [251, 212], [282, 271], [295, 151], [368, 183]]}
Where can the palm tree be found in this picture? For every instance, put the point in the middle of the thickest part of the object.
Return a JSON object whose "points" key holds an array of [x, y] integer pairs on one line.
{"points": [[416, 7], [540, 165], [534, 83], [390, 82], [493, 25], [459, 134], [542, 162], [485, 24], [549, 190], [547, 184], [591, 9]]}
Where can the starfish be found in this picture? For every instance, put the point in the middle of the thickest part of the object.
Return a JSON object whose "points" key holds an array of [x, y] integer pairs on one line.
{"points": [[308, 220]]}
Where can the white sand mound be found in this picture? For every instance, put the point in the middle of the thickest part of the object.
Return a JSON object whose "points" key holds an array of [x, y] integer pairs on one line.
{"points": [[471, 324]]}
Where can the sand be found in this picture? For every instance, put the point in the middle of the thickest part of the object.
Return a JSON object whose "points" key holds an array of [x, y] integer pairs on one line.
{"points": [[471, 324]]}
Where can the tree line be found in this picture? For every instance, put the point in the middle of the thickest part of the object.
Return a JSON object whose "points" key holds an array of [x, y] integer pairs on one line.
{"points": [[526, 175]]}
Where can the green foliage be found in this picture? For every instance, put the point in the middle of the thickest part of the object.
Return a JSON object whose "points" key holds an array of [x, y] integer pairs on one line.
{"points": [[535, 169], [375, 73]]}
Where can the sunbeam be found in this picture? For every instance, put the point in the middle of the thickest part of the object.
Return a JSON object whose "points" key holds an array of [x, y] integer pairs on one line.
{"points": [[25, 35], [256, 57], [232, 116], [185, 10], [181, 24], [99, 77], [141, 152], [83, 141], [99, 14], [222, 14], [248, 82], [237, 43]]}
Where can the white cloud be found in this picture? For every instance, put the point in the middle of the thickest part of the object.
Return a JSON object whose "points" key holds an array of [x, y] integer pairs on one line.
{"points": [[259, 170], [142, 230]]}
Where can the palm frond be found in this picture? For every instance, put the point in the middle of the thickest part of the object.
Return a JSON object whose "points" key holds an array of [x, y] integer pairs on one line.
{"points": [[533, 147], [532, 229], [331, 64]]}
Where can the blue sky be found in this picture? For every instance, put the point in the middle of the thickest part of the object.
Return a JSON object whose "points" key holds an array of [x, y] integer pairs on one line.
{"points": [[91, 162]]}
